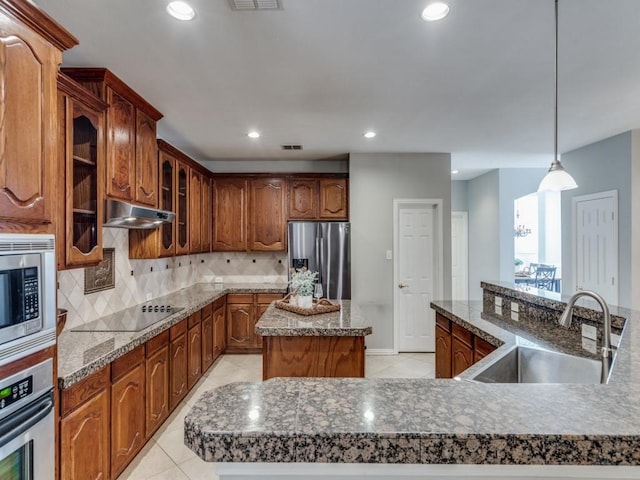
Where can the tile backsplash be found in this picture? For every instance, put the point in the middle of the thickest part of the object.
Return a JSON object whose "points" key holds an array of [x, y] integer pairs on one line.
{"points": [[141, 280]]}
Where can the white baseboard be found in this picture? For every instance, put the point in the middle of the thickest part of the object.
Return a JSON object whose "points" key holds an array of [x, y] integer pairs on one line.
{"points": [[380, 351]]}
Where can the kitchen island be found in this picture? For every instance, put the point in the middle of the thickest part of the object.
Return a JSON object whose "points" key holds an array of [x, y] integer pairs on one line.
{"points": [[432, 428], [324, 345]]}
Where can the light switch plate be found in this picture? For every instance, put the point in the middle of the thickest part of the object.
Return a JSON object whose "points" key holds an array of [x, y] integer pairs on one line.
{"points": [[515, 316], [515, 307], [498, 301], [389, 255], [147, 296], [589, 345], [589, 331], [218, 280], [498, 309], [615, 340]]}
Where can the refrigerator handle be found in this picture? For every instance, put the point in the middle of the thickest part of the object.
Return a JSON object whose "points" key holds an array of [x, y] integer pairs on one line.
{"points": [[319, 257]]}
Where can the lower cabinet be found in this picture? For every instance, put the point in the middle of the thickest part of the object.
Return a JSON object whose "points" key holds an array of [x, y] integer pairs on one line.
{"points": [[127, 416], [457, 348], [85, 428], [207, 337], [178, 367], [243, 312], [194, 350], [157, 371], [220, 331]]}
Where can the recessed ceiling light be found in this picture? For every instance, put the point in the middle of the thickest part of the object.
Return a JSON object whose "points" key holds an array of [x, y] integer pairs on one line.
{"points": [[435, 11], [369, 134], [455, 172], [181, 10], [253, 134]]}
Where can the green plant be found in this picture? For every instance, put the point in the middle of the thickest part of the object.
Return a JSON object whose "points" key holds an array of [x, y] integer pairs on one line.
{"points": [[518, 262], [302, 282]]}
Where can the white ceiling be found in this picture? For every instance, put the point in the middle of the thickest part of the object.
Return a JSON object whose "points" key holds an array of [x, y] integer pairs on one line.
{"points": [[478, 84]]}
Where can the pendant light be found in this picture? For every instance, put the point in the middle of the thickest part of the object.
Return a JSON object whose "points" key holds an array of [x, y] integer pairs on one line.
{"points": [[557, 178]]}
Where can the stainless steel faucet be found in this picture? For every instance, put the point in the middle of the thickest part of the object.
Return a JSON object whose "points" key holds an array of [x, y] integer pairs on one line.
{"points": [[607, 352]]}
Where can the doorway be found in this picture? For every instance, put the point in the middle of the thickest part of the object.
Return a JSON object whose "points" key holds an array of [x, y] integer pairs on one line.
{"points": [[418, 266], [595, 243], [459, 256]]}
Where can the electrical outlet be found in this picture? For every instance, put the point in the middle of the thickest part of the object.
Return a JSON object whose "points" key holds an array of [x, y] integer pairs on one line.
{"points": [[515, 307], [589, 331], [498, 309], [218, 280], [147, 296], [498, 301], [615, 340], [389, 255], [589, 345], [515, 316]]}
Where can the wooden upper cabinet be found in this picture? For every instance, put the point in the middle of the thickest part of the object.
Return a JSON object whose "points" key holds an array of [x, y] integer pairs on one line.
{"points": [[132, 168], [303, 199], [80, 175], [230, 214], [168, 194], [195, 200], [334, 198], [146, 160], [182, 209], [121, 146], [31, 46], [267, 221], [206, 214]]}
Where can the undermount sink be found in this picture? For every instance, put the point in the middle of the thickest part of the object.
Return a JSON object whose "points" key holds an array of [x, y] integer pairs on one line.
{"points": [[523, 364]]}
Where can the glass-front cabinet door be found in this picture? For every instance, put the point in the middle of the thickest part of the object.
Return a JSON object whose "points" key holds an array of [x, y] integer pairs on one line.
{"points": [[167, 202], [182, 214]]}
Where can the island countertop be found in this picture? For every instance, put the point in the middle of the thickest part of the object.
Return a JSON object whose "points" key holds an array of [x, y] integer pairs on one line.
{"points": [[347, 322], [418, 421]]}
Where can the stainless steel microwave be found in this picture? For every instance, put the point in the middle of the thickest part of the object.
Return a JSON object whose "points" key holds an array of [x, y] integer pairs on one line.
{"points": [[27, 294]]}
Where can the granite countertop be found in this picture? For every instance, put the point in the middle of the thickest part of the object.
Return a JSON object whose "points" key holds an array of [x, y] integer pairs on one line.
{"points": [[428, 421], [82, 353], [347, 322]]}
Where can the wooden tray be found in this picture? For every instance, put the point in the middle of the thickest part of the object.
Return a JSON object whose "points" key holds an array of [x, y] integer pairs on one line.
{"points": [[322, 306]]}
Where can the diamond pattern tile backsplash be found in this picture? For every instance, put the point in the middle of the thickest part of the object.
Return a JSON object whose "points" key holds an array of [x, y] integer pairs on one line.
{"points": [[141, 280]]}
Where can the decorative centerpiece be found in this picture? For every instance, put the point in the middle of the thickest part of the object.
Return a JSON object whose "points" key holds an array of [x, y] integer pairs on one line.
{"points": [[302, 283]]}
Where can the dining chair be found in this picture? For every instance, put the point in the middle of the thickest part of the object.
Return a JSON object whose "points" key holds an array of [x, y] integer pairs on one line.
{"points": [[545, 277]]}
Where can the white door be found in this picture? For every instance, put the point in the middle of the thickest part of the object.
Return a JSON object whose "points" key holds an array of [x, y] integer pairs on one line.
{"points": [[415, 273], [459, 256], [596, 244]]}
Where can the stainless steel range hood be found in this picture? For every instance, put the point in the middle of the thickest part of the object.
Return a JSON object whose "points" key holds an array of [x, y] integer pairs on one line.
{"points": [[124, 215]]}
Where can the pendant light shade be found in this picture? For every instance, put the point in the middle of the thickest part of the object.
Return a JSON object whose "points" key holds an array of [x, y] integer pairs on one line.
{"points": [[557, 178]]}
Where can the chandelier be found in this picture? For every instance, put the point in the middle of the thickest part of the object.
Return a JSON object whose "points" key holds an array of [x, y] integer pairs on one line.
{"points": [[521, 231]]}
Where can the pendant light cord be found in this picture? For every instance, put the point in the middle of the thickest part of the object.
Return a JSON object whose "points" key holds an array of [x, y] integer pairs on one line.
{"points": [[555, 99]]}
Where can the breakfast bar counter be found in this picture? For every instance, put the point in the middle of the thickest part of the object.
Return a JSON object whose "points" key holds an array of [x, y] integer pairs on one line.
{"points": [[419, 424], [323, 345]]}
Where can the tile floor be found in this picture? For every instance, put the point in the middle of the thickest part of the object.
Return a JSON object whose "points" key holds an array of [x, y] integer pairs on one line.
{"points": [[166, 458]]}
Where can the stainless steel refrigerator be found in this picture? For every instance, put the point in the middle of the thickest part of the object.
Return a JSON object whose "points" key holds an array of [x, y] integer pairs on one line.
{"points": [[323, 247]]}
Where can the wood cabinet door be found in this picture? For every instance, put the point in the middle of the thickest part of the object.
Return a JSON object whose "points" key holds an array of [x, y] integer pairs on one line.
{"points": [[157, 389], [178, 370], [121, 146], [28, 128], [240, 325], [182, 212], [220, 332], [230, 215], [146, 160], [84, 441], [260, 309], [195, 355], [303, 199], [461, 356], [127, 418], [481, 348], [443, 353], [195, 206], [207, 342], [267, 222], [206, 215], [334, 198], [168, 196]]}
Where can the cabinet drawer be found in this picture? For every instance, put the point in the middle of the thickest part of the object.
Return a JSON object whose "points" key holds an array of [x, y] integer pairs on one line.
{"points": [[463, 334], [268, 297], [443, 322], [77, 394], [240, 298], [157, 342], [122, 365], [219, 303], [206, 311], [194, 319], [178, 329]]}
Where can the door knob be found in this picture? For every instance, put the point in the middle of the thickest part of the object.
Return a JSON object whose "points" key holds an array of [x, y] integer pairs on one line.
{"points": [[402, 285]]}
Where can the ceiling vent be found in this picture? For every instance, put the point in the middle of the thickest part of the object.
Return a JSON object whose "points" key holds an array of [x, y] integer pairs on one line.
{"points": [[255, 4], [291, 147]]}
